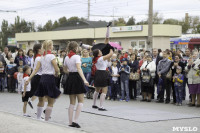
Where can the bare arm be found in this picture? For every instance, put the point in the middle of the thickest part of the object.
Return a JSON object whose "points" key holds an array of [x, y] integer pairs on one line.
{"points": [[108, 56], [78, 66], [65, 69], [24, 93], [54, 63], [35, 71], [106, 40]]}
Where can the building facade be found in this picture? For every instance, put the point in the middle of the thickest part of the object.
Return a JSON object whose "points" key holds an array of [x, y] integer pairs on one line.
{"points": [[127, 36]]}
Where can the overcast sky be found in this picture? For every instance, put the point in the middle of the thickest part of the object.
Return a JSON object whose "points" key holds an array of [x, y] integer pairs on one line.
{"points": [[40, 11]]}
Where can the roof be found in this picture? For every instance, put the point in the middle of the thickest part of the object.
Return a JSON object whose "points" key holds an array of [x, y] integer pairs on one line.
{"points": [[81, 25]]}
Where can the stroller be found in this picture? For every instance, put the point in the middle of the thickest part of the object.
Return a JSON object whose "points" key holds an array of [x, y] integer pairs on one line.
{"points": [[90, 93]]}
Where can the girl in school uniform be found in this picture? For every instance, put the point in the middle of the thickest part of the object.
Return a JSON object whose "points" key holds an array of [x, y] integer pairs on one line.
{"points": [[75, 83], [47, 86], [36, 79], [101, 78]]}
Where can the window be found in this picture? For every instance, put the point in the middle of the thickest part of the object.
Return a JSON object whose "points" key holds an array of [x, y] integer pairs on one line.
{"points": [[142, 44], [134, 44]]}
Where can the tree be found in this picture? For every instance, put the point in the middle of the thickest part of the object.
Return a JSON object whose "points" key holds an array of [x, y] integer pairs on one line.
{"points": [[157, 18], [194, 22], [74, 19], [143, 22], [120, 22], [131, 21], [62, 20], [55, 25], [198, 28], [171, 21], [5, 32], [48, 26]]}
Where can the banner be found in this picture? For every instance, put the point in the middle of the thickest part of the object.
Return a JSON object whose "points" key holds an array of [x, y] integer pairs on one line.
{"points": [[127, 28], [12, 41]]}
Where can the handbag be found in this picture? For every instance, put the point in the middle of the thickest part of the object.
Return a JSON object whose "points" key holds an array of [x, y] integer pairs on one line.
{"points": [[146, 75], [134, 76]]}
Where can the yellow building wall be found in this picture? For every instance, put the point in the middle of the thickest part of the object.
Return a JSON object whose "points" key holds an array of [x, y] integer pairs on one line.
{"points": [[91, 33]]}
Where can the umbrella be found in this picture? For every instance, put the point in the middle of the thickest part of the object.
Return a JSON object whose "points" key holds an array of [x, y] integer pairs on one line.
{"points": [[105, 48], [115, 45]]}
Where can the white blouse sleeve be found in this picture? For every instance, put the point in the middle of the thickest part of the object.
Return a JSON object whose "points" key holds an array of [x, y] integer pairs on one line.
{"points": [[78, 59], [52, 57]]}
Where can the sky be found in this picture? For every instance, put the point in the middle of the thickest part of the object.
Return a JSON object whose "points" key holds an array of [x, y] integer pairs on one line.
{"points": [[40, 11]]}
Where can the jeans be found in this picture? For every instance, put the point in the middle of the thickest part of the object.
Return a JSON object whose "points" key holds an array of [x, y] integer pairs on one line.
{"points": [[11, 84], [167, 87], [87, 77], [179, 93], [109, 93], [2, 83], [125, 87]]}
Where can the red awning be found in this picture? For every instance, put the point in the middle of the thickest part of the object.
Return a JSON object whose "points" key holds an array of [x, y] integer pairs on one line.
{"points": [[194, 41]]}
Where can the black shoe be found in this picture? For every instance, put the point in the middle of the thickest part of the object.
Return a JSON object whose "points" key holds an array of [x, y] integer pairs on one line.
{"points": [[44, 111], [166, 102], [95, 107], [143, 100], [191, 105], [148, 100], [198, 105], [134, 99], [109, 24], [102, 109], [75, 125], [30, 104], [160, 101]]}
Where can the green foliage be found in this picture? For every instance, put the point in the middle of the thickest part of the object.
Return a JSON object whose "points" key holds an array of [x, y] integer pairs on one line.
{"points": [[120, 22], [171, 21], [131, 21]]}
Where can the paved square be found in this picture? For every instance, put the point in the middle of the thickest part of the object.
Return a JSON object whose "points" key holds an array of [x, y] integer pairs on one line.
{"points": [[139, 114]]}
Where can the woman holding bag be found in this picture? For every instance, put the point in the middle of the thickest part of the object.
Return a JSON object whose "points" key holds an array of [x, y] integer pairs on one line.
{"points": [[148, 67], [134, 64]]}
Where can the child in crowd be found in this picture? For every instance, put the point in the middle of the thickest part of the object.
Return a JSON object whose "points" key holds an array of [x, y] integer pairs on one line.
{"points": [[19, 79], [124, 77], [26, 88], [115, 83], [21, 63], [10, 70], [178, 85], [2, 77]]}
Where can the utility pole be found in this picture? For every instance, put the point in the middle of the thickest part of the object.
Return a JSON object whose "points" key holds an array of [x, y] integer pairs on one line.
{"points": [[150, 25], [88, 10]]}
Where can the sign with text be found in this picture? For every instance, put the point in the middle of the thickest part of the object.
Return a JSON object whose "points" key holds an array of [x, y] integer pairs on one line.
{"points": [[12, 41], [127, 28]]}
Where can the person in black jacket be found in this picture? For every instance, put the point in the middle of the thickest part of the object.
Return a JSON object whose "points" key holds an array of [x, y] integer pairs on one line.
{"points": [[134, 65], [10, 70], [175, 64], [156, 58]]}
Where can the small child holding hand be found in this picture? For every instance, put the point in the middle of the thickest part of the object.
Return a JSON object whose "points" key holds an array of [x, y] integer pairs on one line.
{"points": [[26, 88]]}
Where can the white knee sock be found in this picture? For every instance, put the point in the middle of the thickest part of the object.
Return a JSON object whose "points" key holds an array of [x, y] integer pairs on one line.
{"points": [[78, 111], [70, 113], [102, 99], [95, 96], [39, 112], [48, 112]]}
